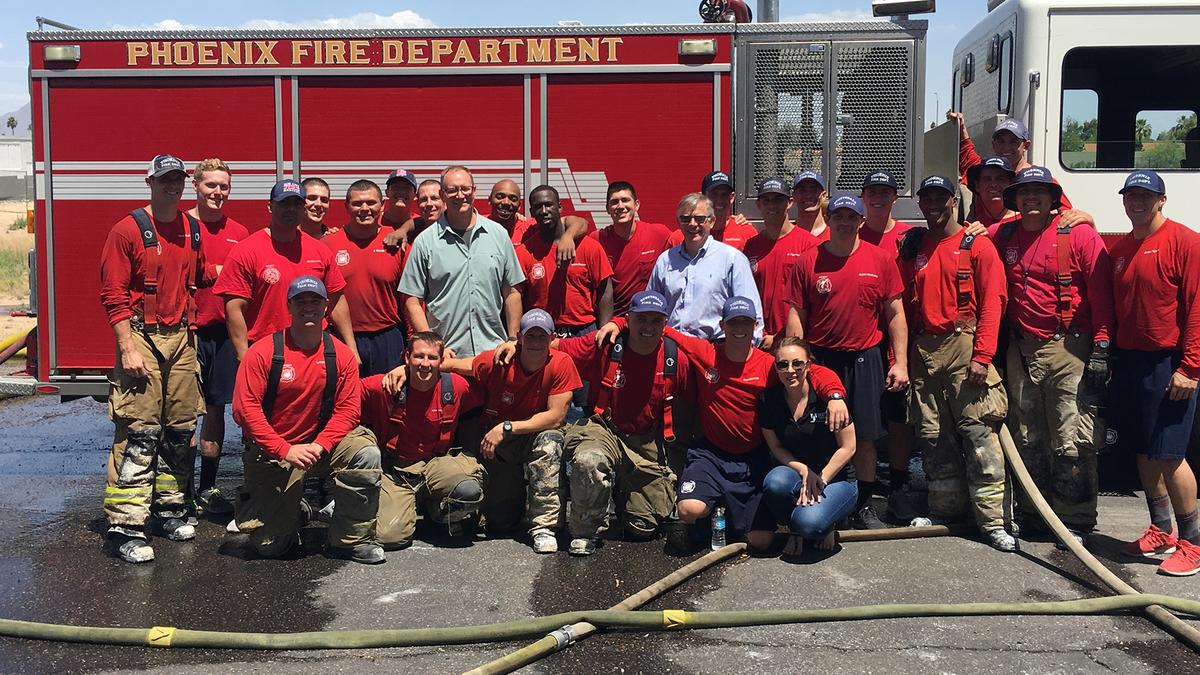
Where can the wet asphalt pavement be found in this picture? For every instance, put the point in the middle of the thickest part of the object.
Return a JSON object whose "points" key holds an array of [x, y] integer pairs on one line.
{"points": [[53, 569]]}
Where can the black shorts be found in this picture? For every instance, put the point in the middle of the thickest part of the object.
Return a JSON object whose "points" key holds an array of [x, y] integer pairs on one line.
{"points": [[717, 477], [218, 363], [380, 350], [864, 376], [1141, 419]]}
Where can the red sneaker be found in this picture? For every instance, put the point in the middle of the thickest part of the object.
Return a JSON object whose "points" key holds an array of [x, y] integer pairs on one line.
{"points": [[1184, 563], [1152, 542]]}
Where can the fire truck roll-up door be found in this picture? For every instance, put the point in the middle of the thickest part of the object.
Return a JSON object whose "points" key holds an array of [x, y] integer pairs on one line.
{"points": [[573, 107], [871, 72]]}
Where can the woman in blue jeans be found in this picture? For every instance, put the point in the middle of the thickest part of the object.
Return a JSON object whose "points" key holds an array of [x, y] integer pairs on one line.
{"points": [[814, 487]]}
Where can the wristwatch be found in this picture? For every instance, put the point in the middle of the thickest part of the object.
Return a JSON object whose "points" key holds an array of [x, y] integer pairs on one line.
{"points": [[836, 396], [507, 427], [510, 338], [1100, 344]]}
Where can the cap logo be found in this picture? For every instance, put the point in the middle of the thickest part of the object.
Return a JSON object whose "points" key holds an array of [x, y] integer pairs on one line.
{"points": [[291, 187]]}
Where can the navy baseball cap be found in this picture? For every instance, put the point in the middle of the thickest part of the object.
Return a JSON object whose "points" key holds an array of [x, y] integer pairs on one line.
{"points": [[808, 175], [715, 179], [974, 172], [537, 318], [1034, 175], [940, 182], [648, 301], [773, 185], [286, 188], [881, 178], [306, 284], [1013, 126], [846, 200], [738, 306], [1145, 179], [402, 174], [162, 165]]}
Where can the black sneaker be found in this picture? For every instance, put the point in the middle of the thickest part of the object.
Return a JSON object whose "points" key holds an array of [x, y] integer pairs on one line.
{"points": [[867, 519]]}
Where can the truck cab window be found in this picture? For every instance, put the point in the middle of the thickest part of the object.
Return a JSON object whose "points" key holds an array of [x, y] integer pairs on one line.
{"points": [[1130, 107]]}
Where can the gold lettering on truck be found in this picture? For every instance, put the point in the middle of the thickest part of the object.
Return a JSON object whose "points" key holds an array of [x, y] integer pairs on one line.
{"points": [[441, 49], [265, 55], [489, 51], [463, 53], [589, 50], [393, 52], [206, 53], [231, 53], [416, 51], [538, 50], [358, 52], [135, 51]]}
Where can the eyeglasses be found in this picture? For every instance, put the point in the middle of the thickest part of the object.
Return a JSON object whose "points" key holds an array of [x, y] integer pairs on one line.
{"points": [[794, 364], [695, 218], [452, 190]]}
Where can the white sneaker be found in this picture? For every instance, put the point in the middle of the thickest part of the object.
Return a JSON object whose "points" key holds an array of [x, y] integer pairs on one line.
{"points": [[545, 542], [582, 546]]}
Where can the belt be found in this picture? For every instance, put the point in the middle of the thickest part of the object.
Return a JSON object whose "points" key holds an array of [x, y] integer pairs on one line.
{"points": [[139, 324]]}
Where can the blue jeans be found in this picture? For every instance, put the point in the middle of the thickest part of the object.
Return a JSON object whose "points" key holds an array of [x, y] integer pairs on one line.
{"points": [[781, 488]]}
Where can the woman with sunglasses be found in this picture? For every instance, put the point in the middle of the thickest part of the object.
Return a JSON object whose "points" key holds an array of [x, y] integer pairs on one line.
{"points": [[813, 487]]}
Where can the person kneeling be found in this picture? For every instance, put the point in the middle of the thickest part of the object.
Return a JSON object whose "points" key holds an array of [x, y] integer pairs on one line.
{"points": [[812, 489], [297, 400], [415, 421]]}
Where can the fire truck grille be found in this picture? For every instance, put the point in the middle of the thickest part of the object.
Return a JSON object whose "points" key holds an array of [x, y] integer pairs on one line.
{"points": [[875, 88], [789, 110]]}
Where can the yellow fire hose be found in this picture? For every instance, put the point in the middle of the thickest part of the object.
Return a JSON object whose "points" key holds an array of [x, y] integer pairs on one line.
{"points": [[560, 630]]}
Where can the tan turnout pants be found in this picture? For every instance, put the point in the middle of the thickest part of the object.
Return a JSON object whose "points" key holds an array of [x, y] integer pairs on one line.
{"points": [[269, 503], [150, 465], [956, 425], [522, 480], [1053, 422], [635, 466], [429, 483]]}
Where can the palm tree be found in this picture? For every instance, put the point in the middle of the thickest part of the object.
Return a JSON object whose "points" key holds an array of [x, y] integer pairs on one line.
{"points": [[12, 125], [1141, 132]]}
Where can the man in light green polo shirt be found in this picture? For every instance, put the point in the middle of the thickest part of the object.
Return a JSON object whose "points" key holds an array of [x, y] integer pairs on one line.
{"points": [[465, 271]]}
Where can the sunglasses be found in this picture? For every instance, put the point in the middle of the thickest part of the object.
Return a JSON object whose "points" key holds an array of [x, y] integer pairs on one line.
{"points": [[685, 220], [794, 364]]}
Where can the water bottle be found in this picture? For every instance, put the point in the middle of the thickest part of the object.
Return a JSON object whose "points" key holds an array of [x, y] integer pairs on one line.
{"points": [[718, 528]]}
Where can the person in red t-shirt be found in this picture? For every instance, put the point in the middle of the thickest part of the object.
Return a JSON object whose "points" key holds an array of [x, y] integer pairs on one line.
{"points": [[773, 253], [258, 270], [955, 293], [728, 227], [810, 196], [1057, 357], [578, 295], [840, 293], [505, 203], [1156, 364], [316, 207], [632, 245], [879, 194], [154, 394], [372, 273], [296, 422], [415, 423], [217, 357], [621, 451], [525, 405]]}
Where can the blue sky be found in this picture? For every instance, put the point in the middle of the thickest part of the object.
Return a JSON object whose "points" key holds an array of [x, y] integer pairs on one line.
{"points": [[952, 20]]}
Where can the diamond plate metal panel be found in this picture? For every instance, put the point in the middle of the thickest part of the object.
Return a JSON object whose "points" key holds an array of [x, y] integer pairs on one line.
{"points": [[788, 128], [874, 84]]}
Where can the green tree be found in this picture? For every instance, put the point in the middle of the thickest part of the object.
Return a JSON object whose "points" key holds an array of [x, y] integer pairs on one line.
{"points": [[1177, 132], [1075, 134], [12, 125], [1141, 132]]}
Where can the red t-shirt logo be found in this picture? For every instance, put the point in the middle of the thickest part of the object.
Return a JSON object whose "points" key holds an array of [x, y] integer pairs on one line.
{"points": [[270, 274], [824, 284], [342, 258], [288, 373]]}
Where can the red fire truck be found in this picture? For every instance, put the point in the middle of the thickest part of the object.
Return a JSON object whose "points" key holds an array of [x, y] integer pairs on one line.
{"points": [[576, 107]]}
